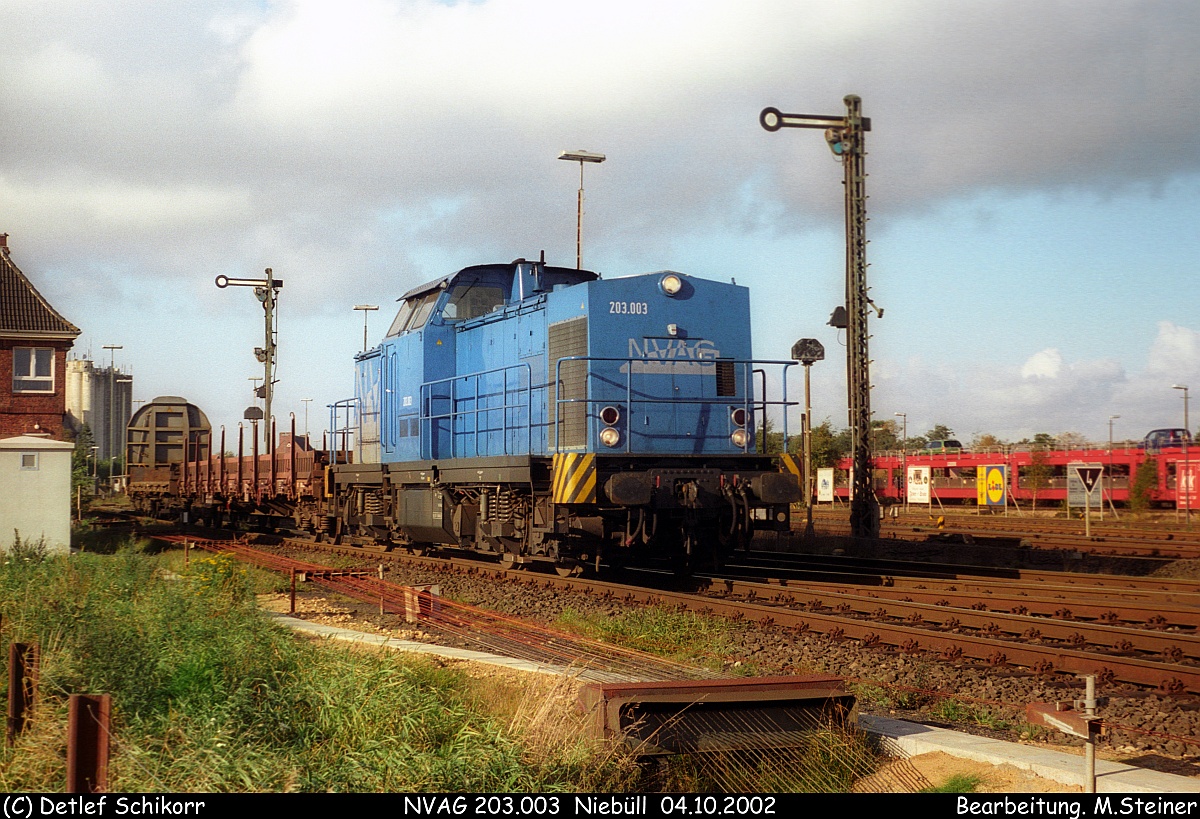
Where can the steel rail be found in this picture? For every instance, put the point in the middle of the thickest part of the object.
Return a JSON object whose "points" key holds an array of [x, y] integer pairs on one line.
{"points": [[1155, 614], [948, 617]]}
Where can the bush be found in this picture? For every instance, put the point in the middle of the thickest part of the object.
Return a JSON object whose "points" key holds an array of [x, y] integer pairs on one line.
{"points": [[1144, 484]]}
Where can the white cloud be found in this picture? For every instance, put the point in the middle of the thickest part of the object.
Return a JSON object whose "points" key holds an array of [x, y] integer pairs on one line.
{"points": [[1175, 354], [1045, 364], [109, 204]]}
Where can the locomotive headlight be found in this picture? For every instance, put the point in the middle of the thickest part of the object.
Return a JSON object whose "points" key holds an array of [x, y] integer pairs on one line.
{"points": [[739, 438], [670, 284], [610, 437], [610, 416], [738, 416]]}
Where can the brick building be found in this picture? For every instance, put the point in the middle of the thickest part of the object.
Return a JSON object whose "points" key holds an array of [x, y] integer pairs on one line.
{"points": [[34, 340]]}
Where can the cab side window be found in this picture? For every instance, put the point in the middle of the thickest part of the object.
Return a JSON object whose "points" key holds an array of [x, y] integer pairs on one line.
{"points": [[469, 301]]}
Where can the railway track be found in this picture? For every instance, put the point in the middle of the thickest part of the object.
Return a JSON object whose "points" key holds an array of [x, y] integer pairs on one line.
{"points": [[1038, 533], [1105, 626]]}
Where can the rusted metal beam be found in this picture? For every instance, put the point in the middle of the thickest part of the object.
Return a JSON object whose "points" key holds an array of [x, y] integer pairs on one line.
{"points": [[87, 743], [23, 662]]}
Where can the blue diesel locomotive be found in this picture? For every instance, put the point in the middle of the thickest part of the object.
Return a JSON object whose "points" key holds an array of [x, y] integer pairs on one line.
{"points": [[545, 414]]}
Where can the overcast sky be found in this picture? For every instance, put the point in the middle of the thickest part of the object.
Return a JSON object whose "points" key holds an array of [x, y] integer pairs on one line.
{"points": [[1034, 182]]}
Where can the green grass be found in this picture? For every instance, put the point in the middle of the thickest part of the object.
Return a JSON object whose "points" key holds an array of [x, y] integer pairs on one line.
{"points": [[959, 783], [210, 696], [680, 636], [954, 711]]}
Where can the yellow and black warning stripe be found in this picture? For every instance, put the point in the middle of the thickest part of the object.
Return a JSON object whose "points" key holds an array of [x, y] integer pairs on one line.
{"points": [[574, 479], [788, 463]]}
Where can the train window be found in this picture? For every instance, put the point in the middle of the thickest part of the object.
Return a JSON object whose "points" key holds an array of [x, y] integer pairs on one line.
{"points": [[413, 314], [470, 301], [402, 317], [422, 310]]}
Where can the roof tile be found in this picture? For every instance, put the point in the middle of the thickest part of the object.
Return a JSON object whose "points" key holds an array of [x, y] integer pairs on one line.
{"points": [[23, 310]]}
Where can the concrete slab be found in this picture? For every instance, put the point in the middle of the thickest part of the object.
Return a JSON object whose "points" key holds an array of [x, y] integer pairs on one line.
{"points": [[913, 739], [363, 638]]}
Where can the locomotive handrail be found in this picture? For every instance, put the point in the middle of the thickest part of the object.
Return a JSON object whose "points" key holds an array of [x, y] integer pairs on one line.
{"points": [[428, 416], [747, 365], [350, 406]]}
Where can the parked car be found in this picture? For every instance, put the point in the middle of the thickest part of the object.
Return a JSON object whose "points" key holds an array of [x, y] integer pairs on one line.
{"points": [[949, 445], [1157, 439]]}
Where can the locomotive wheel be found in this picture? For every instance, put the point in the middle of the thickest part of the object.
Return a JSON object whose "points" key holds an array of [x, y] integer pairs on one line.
{"points": [[508, 561], [568, 568]]}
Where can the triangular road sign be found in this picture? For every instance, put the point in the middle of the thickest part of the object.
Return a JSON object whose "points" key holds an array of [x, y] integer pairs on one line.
{"points": [[1089, 476]]}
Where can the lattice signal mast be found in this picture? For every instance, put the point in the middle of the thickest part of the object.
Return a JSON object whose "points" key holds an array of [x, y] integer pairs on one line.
{"points": [[845, 135]]}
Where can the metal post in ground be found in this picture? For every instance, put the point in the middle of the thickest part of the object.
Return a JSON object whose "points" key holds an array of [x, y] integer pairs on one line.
{"points": [[87, 743], [22, 685], [1089, 750]]}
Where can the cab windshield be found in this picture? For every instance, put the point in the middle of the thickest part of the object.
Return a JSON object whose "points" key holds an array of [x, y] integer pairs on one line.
{"points": [[413, 313]]}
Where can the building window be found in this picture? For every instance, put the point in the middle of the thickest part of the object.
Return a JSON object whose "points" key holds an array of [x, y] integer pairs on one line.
{"points": [[29, 460], [33, 369]]}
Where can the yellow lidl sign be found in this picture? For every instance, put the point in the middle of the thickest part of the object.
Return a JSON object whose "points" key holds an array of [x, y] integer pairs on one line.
{"points": [[990, 482]]}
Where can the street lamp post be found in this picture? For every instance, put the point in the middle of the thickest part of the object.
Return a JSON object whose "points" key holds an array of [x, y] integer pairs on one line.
{"points": [[904, 459], [124, 436], [306, 402], [1111, 418], [808, 351], [1184, 486], [365, 308], [580, 157]]}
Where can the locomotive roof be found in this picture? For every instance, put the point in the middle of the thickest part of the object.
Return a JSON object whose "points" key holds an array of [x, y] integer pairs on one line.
{"points": [[444, 281]]}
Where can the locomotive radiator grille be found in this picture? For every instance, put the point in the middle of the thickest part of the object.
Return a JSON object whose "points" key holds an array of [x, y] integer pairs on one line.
{"points": [[568, 422]]}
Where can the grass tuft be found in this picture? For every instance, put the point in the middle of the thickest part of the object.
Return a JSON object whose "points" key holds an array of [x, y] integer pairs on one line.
{"points": [[958, 783], [680, 636]]}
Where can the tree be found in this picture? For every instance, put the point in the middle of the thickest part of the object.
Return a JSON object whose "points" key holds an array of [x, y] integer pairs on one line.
{"points": [[940, 432], [1044, 440], [829, 447], [887, 435], [1145, 481], [81, 461], [1037, 474], [987, 441], [1071, 440], [766, 439]]}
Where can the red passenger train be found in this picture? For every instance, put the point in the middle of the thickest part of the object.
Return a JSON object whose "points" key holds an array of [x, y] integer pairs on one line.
{"points": [[1040, 472]]}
